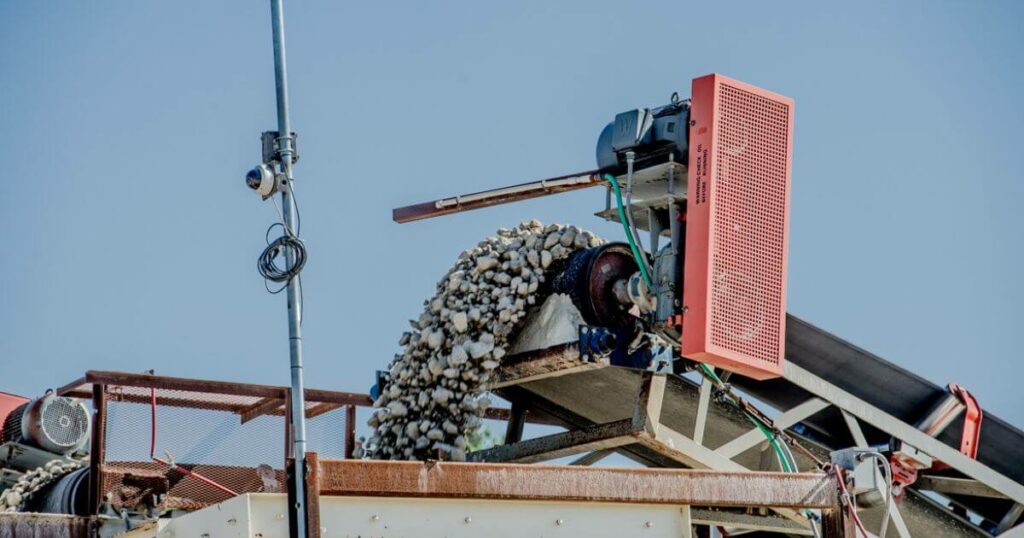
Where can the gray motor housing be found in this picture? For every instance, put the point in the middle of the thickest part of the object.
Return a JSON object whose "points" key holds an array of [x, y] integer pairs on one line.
{"points": [[56, 424], [651, 134]]}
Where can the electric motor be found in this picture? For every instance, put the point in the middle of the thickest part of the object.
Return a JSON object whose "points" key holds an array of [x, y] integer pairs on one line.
{"points": [[52, 423], [651, 134]]}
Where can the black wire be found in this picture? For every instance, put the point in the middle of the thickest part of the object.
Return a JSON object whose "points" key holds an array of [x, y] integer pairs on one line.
{"points": [[267, 265]]}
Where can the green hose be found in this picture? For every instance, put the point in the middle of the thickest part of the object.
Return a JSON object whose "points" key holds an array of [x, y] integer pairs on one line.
{"points": [[779, 454], [629, 236]]}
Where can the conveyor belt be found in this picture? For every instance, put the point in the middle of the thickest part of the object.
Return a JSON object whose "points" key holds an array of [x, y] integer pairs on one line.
{"points": [[564, 384], [887, 386]]}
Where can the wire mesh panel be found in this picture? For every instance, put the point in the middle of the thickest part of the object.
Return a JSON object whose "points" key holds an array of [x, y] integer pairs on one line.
{"points": [[169, 448]]}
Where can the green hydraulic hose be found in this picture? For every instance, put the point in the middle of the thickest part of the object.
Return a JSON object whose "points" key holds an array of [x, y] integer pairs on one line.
{"points": [[779, 454], [629, 235], [786, 462]]}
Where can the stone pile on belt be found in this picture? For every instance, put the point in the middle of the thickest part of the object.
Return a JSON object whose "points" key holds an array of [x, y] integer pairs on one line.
{"points": [[435, 396], [13, 498]]}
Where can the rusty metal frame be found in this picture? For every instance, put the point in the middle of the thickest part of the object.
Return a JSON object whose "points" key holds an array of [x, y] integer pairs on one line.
{"points": [[272, 400], [575, 483], [644, 428]]}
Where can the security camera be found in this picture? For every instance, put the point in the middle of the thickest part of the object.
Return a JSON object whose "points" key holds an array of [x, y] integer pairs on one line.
{"points": [[263, 180]]}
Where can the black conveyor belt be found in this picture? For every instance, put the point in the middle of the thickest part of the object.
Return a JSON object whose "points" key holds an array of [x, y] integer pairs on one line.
{"points": [[884, 385]]}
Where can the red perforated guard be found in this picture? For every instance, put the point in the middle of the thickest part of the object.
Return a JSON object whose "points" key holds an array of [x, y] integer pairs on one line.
{"points": [[737, 227]]}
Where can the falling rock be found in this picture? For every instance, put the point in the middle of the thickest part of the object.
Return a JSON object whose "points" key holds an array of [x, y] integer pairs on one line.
{"points": [[433, 397], [568, 237], [582, 240], [479, 348], [460, 321], [458, 357], [397, 409], [551, 240], [434, 339], [485, 263]]}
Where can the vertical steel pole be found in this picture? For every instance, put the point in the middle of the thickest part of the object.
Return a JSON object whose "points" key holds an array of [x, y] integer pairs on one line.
{"points": [[285, 146]]}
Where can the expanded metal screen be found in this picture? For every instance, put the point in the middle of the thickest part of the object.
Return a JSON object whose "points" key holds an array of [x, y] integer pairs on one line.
{"points": [[735, 287], [195, 448]]}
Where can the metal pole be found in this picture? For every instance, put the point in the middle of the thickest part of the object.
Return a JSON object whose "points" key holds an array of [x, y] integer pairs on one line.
{"points": [[286, 151]]}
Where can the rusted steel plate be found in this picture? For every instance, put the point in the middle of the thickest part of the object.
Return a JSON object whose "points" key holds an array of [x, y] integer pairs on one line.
{"points": [[27, 525], [559, 360], [565, 483], [559, 445], [180, 383]]}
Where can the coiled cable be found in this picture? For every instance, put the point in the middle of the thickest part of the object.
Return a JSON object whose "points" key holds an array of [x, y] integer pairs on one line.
{"points": [[267, 263]]}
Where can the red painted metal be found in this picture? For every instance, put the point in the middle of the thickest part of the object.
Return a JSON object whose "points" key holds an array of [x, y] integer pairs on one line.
{"points": [[737, 227], [904, 473], [972, 421], [8, 403]]}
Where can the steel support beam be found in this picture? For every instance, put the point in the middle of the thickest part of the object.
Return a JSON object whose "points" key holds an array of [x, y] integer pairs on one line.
{"points": [[903, 431], [569, 483], [750, 439], [745, 521], [593, 457], [956, 486], [703, 403], [851, 424], [549, 447]]}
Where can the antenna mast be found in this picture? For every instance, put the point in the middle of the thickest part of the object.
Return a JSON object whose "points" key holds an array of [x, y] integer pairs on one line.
{"points": [[282, 181]]}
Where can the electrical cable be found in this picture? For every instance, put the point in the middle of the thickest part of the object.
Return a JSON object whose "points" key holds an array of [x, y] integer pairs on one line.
{"points": [[848, 502], [888, 491], [170, 462], [287, 243], [629, 236]]}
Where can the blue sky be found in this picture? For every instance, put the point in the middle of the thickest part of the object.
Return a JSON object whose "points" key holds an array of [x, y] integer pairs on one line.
{"points": [[130, 240]]}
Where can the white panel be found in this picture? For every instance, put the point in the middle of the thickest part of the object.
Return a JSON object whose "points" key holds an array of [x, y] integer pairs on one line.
{"points": [[381, 517]]}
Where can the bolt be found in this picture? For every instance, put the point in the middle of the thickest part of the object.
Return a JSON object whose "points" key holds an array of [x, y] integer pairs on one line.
{"points": [[232, 522], [649, 524], [279, 516], [468, 519], [559, 522], [374, 517]]}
